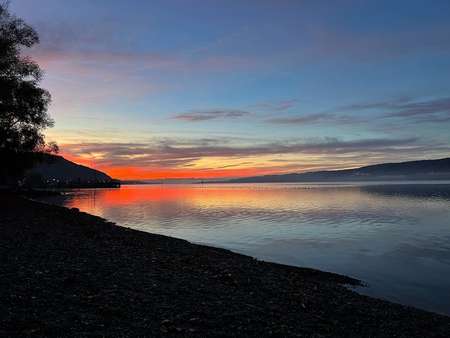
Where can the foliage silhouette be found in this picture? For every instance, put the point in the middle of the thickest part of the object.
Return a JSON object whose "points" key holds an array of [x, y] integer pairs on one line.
{"points": [[23, 104]]}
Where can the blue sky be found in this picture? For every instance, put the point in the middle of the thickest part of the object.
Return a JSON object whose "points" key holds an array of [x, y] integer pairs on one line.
{"points": [[231, 88]]}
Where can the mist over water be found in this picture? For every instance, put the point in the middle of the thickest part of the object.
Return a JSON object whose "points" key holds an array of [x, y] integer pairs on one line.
{"points": [[395, 237]]}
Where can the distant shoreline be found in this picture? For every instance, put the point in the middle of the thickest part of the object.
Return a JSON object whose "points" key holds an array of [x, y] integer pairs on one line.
{"points": [[65, 272], [421, 170], [374, 181]]}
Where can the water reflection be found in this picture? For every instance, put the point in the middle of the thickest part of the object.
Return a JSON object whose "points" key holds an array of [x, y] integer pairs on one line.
{"points": [[394, 237], [410, 190]]}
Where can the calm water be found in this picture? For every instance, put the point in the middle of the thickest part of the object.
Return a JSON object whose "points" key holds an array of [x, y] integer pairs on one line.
{"points": [[394, 237]]}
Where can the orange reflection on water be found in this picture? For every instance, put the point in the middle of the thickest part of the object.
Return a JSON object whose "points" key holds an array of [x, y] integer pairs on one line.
{"points": [[223, 196]]}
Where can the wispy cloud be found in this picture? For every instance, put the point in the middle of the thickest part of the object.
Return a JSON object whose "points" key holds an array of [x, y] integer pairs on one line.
{"points": [[301, 119], [384, 104], [197, 116], [324, 118], [90, 64], [276, 106], [170, 153], [91, 48], [424, 109], [431, 110], [376, 45]]}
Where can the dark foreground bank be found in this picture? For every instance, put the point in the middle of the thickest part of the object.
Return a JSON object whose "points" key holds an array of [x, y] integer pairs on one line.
{"points": [[64, 272]]}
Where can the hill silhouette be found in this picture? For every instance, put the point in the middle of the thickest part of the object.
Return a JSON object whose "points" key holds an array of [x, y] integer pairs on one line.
{"points": [[55, 170], [411, 170]]}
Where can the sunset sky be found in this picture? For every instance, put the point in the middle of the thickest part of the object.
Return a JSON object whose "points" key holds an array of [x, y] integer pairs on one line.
{"points": [[165, 89]]}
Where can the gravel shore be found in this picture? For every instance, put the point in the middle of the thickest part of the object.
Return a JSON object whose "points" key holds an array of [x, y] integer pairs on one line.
{"points": [[67, 273]]}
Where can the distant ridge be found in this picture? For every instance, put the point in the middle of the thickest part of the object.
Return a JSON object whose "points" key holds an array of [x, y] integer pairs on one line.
{"points": [[411, 170], [58, 171]]}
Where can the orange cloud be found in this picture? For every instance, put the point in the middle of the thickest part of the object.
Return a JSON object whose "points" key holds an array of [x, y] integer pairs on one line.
{"points": [[211, 158], [142, 173], [139, 173]]}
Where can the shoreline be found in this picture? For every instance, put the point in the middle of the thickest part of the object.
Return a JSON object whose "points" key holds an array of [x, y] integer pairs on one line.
{"points": [[65, 272]]}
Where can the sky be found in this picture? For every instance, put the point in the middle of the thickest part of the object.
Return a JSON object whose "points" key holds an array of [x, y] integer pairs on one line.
{"points": [[203, 89]]}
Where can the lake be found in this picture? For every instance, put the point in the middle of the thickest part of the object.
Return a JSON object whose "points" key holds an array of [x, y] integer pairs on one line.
{"points": [[394, 237]]}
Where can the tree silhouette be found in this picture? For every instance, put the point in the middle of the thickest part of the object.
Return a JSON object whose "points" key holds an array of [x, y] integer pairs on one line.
{"points": [[23, 104]]}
